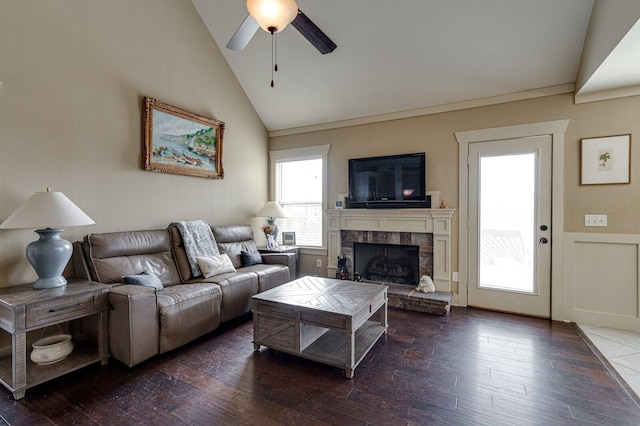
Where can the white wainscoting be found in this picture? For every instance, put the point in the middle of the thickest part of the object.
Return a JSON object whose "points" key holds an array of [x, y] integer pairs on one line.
{"points": [[601, 279]]}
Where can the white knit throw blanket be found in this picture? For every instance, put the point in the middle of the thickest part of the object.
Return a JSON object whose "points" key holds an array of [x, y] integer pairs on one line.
{"points": [[198, 241]]}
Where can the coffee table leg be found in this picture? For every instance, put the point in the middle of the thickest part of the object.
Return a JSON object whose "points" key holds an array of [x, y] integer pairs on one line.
{"points": [[383, 316], [350, 353], [256, 327]]}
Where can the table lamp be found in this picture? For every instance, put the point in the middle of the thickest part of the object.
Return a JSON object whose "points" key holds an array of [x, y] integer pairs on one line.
{"points": [[271, 211], [50, 254]]}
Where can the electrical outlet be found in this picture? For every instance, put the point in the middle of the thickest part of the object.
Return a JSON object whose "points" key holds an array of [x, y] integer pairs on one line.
{"points": [[318, 263], [456, 277], [595, 220]]}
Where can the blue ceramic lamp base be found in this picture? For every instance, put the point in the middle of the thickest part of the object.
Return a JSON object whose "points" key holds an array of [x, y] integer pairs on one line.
{"points": [[49, 256]]}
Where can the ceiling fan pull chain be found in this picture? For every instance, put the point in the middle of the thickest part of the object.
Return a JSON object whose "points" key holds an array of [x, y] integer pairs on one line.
{"points": [[274, 53]]}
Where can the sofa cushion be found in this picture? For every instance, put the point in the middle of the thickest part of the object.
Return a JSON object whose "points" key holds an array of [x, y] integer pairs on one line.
{"points": [[215, 265], [116, 254], [147, 279], [187, 311], [234, 239], [237, 289], [249, 258], [269, 276]]}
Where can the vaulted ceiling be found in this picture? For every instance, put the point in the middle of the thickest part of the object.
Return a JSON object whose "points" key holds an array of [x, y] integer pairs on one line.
{"points": [[398, 58]]}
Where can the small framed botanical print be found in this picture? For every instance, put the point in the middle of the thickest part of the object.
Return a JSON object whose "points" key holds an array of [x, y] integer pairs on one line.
{"points": [[605, 160]]}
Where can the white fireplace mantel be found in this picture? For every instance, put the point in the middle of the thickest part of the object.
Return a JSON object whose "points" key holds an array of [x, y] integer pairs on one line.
{"points": [[433, 221]]}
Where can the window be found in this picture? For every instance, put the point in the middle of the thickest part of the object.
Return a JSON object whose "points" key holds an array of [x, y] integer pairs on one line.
{"points": [[299, 185]]}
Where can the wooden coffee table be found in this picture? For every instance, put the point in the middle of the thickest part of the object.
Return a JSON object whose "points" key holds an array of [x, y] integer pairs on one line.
{"points": [[322, 319]]}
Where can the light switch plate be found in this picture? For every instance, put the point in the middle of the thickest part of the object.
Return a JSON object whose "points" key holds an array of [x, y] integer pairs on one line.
{"points": [[595, 220]]}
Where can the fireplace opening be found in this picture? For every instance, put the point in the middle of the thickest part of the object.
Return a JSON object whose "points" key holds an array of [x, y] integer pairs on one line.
{"points": [[389, 263]]}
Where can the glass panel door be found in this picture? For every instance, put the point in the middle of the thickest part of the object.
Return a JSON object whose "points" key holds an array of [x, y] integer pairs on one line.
{"points": [[510, 225], [507, 221]]}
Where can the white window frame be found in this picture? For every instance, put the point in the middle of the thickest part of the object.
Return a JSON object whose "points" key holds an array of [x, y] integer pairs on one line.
{"points": [[298, 154]]}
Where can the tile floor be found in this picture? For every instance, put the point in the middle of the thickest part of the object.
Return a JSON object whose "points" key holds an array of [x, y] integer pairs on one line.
{"points": [[621, 348]]}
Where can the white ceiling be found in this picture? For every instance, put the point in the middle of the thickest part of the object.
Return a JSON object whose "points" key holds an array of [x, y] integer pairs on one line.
{"points": [[402, 55]]}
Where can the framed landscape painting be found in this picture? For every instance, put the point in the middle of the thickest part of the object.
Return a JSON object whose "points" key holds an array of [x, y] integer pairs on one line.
{"points": [[605, 160], [181, 142]]}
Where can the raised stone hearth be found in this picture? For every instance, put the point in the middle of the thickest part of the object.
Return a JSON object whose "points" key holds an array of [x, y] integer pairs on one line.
{"points": [[407, 297]]}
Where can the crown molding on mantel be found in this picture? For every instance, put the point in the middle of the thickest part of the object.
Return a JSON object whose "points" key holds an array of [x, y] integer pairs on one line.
{"points": [[493, 100]]}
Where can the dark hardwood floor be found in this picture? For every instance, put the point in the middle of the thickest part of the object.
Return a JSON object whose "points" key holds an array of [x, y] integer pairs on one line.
{"points": [[471, 367]]}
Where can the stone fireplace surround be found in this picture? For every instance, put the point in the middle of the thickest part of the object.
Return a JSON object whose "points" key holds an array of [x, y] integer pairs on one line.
{"points": [[424, 242], [394, 225]]}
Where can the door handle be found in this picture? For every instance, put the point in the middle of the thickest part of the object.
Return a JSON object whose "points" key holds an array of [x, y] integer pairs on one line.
{"points": [[543, 240], [543, 227]]}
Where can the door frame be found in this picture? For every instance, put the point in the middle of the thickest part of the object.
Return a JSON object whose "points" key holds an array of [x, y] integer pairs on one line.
{"points": [[555, 129], [536, 300]]}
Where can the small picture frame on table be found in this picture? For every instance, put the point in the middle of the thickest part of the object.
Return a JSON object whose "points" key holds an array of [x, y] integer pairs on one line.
{"points": [[339, 204], [289, 238]]}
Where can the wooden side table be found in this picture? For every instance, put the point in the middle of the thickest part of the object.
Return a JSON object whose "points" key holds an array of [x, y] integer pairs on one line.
{"points": [[285, 249], [81, 307]]}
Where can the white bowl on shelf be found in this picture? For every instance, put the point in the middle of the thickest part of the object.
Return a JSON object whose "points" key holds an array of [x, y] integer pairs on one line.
{"points": [[52, 349]]}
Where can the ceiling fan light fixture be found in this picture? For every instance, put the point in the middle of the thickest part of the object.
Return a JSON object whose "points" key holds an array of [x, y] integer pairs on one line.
{"points": [[273, 13]]}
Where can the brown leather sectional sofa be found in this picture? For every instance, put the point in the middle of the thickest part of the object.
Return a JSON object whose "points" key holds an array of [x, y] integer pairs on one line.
{"points": [[144, 322]]}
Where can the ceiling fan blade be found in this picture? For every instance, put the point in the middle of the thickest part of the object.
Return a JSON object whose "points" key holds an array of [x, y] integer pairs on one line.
{"points": [[311, 32], [243, 34]]}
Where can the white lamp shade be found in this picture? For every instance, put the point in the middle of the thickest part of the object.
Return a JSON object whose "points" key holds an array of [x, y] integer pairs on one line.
{"points": [[273, 13], [272, 209], [47, 210]]}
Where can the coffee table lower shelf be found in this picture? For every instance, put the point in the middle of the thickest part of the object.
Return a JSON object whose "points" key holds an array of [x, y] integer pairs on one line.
{"points": [[323, 345], [330, 348]]}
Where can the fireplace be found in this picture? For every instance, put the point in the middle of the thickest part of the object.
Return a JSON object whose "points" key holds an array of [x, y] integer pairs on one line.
{"points": [[428, 229], [421, 242], [387, 263]]}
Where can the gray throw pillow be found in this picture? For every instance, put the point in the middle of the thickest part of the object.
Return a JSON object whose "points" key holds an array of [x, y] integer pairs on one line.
{"points": [[250, 258], [147, 278]]}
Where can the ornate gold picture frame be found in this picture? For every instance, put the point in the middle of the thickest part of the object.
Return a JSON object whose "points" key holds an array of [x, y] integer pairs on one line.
{"points": [[181, 142]]}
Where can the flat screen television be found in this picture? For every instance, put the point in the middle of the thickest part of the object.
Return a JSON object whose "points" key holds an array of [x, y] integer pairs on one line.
{"points": [[393, 181]]}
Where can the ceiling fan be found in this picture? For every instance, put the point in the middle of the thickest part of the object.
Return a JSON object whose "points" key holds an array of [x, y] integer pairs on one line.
{"points": [[273, 16]]}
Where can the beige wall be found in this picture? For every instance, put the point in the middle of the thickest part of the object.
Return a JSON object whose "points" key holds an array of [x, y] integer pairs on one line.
{"points": [[434, 134], [74, 73]]}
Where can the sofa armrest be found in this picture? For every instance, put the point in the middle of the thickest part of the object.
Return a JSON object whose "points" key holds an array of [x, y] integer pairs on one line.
{"points": [[288, 259], [133, 323]]}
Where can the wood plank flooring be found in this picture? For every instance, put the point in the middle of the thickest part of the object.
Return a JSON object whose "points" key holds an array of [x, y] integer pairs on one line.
{"points": [[471, 367]]}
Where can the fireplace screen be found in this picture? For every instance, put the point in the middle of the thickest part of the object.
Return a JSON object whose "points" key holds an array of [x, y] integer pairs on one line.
{"points": [[389, 263]]}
